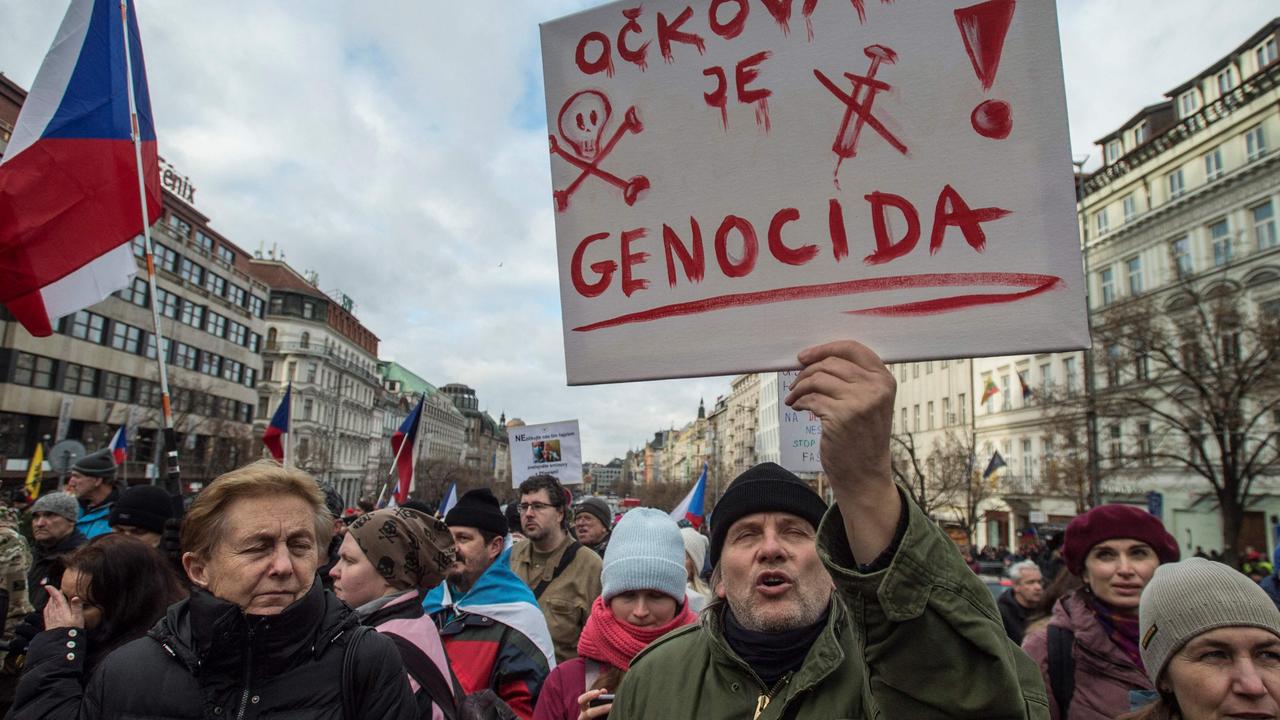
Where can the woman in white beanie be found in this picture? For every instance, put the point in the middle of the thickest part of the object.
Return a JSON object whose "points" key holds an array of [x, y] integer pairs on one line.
{"points": [[1210, 642], [642, 599], [695, 554]]}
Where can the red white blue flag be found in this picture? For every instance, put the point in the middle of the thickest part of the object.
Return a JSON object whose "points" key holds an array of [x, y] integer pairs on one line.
{"points": [[69, 186], [120, 446], [691, 507], [273, 436], [404, 443]]}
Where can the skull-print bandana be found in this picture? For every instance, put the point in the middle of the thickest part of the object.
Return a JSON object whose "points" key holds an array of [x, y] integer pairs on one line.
{"points": [[406, 547]]}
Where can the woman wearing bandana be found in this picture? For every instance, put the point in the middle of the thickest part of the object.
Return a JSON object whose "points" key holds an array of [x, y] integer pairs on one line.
{"points": [[386, 563]]}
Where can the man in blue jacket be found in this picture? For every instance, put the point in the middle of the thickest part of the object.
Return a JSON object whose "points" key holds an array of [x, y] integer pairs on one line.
{"points": [[93, 482]]}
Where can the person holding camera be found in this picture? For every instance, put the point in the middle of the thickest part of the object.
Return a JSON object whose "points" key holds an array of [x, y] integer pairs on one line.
{"points": [[643, 599]]}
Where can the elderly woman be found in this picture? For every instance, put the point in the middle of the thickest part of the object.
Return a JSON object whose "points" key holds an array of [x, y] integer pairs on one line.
{"points": [[386, 563], [1088, 654], [1210, 643], [259, 636]]}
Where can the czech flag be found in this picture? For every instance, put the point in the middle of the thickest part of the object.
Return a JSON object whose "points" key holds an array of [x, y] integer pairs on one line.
{"points": [[120, 446], [450, 499], [690, 508], [69, 202], [272, 437], [408, 433]]}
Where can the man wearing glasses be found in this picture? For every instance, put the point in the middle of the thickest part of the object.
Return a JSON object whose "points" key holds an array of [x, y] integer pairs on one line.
{"points": [[564, 576]]}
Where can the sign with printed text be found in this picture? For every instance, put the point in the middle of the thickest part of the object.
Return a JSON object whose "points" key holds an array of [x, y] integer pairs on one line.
{"points": [[550, 449], [799, 432], [735, 180]]}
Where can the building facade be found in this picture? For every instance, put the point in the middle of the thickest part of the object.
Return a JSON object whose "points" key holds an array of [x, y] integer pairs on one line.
{"points": [[487, 446], [443, 429], [1183, 206], [316, 344]]}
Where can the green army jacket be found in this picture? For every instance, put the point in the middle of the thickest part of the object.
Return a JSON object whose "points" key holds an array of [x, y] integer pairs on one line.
{"points": [[917, 640]]}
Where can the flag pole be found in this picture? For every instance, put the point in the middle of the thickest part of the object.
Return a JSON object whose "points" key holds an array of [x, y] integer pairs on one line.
{"points": [[173, 472], [288, 423], [395, 463]]}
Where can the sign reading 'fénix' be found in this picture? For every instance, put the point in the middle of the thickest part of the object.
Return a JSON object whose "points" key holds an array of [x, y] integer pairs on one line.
{"points": [[734, 180]]}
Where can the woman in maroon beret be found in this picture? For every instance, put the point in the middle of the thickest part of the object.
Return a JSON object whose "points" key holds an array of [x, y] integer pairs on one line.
{"points": [[1089, 653]]}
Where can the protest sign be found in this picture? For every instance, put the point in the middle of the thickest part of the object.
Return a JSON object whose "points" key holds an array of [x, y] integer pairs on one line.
{"points": [[734, 180], [550, 449], [799, 431]]}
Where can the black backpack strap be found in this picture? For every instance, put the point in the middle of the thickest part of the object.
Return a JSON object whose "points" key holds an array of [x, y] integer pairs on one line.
{"points": [[434, 687], [1062, 667], [569, 554], [349, 671]]}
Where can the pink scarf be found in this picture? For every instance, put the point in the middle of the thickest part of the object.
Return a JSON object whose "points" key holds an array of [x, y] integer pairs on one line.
{"points": [[609, 640]]}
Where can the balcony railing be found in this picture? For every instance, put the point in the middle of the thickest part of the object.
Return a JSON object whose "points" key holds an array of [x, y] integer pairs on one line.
{"points": [[1253, 86], [297, 348]]}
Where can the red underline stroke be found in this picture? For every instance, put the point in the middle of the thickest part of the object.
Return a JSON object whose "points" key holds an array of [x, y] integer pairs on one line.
{"points": [[1035, 284]]}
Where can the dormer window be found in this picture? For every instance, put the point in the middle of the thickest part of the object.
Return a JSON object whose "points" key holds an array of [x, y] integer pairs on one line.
{"points": [[1188, 103], [1115, 148], [1141, 133], [1266, 53], [1226, 80]]}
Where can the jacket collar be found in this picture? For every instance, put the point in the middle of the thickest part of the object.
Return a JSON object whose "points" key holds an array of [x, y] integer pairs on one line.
{"points": [[1073, 613], [404, 606], [825, 655], [106, 504], [208, 633], [62, 547]]}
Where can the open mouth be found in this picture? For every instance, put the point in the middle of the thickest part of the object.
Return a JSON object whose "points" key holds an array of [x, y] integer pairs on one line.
{"points": [[773, 583]]}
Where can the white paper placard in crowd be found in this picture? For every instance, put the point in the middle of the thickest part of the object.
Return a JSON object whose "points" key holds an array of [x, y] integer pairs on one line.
{"points": [[550, 449], [799, 431]]}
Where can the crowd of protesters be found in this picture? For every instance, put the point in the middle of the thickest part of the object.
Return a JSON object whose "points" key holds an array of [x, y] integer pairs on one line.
{"points": [[266, 598]]}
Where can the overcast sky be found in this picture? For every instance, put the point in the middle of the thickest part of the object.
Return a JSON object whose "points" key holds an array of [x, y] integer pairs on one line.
{"points": [[399, 150]]}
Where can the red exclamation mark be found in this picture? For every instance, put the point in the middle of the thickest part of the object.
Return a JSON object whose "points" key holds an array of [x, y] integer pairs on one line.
{"points": [[983, 28]]}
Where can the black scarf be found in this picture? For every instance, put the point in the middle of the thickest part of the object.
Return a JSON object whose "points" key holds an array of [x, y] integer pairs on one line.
{"points": [[772, 655]]}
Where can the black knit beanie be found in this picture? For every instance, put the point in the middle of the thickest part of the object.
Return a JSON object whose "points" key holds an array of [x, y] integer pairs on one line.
{"points": [[478, 509], [598, 507], [142, 506], [100, 464], [767, 487]]}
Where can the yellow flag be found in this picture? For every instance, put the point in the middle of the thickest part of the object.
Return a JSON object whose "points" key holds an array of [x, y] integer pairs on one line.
{"points": [[35, 472]]}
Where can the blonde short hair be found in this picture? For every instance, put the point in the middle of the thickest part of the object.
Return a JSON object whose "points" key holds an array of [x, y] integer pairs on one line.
{"points": [[206, 520]]}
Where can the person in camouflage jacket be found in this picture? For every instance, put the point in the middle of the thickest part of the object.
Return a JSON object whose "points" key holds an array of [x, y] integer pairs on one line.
{"points": [[15, 562]]}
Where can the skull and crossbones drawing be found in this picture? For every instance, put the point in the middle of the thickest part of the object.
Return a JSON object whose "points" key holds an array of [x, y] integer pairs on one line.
{"points": [[582, 122]]}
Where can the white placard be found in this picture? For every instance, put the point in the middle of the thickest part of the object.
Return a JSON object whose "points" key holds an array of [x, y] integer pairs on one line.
{"points": [[64, 418], [799, 431], [736, 180], [550, 449]]}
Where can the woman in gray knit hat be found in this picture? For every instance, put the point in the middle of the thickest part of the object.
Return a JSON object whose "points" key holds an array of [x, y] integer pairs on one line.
{"points": [[1211, 644]]}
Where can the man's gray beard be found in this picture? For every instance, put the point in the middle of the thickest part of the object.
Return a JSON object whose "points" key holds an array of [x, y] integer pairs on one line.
{"points": [[810, 612]]}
